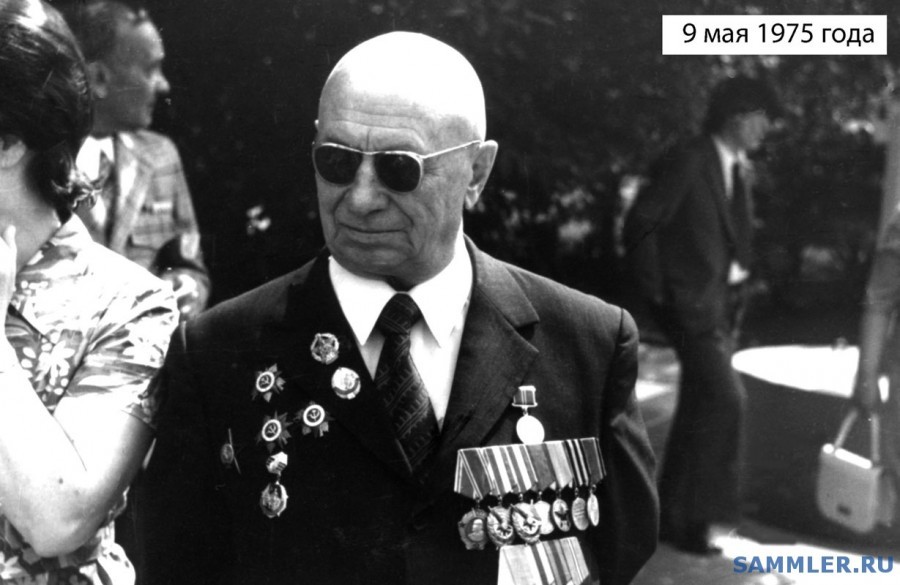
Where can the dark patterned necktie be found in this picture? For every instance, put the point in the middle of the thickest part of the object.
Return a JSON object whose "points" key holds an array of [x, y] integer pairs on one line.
{"points": [[400, 386], [106, 184], [740, 216]]}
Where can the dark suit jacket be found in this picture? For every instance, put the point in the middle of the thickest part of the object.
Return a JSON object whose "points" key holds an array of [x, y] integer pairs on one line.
{"points": [[154, 223], [682, 238], [354, 515]]}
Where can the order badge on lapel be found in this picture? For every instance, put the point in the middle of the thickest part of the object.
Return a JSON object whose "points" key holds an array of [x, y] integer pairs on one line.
{"points": [[273, 500], [268, 381], [227, 455], [275, 431], [345, 383], [314, 419], [325, 348]]}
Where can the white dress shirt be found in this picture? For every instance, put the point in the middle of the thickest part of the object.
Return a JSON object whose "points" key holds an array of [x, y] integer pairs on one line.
{"points": [[434, 340], [88, 159], [728, 158]]}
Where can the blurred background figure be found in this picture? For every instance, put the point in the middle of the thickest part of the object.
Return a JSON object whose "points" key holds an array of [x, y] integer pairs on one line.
{"points": [[84, 329], [690, 237], [144, 211]]}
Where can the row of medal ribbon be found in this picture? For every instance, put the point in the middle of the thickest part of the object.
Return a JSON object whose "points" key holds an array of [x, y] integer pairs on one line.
{"points": [[517, 470]]}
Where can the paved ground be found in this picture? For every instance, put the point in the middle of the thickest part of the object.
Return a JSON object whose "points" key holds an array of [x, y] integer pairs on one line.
{"points": [[781, 523]]}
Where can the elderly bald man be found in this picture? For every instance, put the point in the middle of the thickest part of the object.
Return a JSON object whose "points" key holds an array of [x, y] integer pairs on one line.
{"points": [[310, 428]]}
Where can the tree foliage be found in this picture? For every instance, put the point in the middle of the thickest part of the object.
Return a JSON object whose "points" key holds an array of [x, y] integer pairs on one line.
{"points": [[579, 97]]}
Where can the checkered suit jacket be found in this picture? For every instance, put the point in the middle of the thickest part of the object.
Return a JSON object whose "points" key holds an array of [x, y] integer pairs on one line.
{"points": [[154, 223]]}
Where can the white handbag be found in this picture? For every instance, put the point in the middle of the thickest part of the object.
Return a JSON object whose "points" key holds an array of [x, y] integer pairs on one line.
{"points": [[851, 490]]}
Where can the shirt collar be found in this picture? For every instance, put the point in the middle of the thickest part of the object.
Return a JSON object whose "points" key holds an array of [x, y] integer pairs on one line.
{"points": [[441, 299], [728, 156], [88, 160]]}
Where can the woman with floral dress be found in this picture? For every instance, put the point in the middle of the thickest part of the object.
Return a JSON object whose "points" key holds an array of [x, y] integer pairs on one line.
{"points": [[85, 330]]}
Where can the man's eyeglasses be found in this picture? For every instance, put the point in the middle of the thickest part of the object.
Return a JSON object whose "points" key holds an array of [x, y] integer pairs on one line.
{"points": [[398, 170]]}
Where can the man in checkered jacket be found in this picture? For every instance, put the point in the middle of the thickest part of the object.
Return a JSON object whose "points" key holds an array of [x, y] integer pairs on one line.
{"points": [[143, 210]]}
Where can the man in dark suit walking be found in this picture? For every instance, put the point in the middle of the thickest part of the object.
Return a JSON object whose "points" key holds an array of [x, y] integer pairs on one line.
{"points": [[310, 428], [689, 236]]}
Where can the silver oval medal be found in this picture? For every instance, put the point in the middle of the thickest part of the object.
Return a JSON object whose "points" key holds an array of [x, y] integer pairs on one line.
{"points": [[579, 513], [543, 512], [593, 508], [529, 430]]}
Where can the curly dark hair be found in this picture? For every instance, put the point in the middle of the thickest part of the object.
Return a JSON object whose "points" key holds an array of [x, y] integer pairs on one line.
{"points": [[45, 98]]}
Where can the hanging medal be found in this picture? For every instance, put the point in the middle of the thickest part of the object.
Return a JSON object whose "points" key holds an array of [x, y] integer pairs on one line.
{"points": [[597, 471], [563, 478], [273, 499], [529, 429], [472, 482], [499, 526], [579, 465], [543, 479], [473, 529]]}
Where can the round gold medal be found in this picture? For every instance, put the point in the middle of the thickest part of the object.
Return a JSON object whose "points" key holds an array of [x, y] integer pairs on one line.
{"points": [[499, 526], [560, 515], [473, 529], [345, 383], [526, 522]]}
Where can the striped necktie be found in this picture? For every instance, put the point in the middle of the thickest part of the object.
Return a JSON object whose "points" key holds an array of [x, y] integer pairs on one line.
{"points": [[400, 386]]}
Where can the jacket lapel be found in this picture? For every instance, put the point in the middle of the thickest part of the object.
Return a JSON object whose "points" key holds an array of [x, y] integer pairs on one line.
{"points": [[493, 361], [312, 307], [133, 176]]}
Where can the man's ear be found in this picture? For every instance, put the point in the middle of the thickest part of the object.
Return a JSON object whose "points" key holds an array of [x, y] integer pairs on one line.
{"points": [[99, 75], [12, 150], [481, 170]]}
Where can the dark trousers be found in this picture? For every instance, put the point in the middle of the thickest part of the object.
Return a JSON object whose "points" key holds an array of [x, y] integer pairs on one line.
{"points": [[700, 479]]}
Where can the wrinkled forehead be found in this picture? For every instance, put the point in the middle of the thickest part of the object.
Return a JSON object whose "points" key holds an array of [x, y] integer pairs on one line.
{"points": [[404, 74]]}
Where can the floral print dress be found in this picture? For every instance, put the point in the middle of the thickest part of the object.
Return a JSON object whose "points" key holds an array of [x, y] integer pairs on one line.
{"points": [[86, 324]]}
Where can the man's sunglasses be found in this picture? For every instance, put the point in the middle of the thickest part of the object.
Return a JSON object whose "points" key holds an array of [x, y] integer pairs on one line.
{"points": [[398, 170]]}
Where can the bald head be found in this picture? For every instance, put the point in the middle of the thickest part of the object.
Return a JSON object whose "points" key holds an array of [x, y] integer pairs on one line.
{"points": [[415, 71], [401, 138]]}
